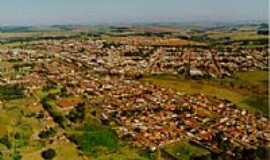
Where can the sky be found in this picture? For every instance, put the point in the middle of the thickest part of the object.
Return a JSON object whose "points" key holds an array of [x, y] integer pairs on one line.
{"points": [[50, 12]]}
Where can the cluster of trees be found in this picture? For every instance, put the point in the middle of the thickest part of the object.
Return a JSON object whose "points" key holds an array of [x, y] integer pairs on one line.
{"points": [[77, 114], [263, 29], [56, 115], [47, 133], [5, 141], [31, 39], [9, 92], [11, 146]]}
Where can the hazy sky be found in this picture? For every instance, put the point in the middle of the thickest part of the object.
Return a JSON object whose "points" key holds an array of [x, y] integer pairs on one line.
{"points": [[42, 12]]}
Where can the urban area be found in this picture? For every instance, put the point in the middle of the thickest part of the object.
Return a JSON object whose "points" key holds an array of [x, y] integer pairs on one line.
{"points": [[134, 93]]}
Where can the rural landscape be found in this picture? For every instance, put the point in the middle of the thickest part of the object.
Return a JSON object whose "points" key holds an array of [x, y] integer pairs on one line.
{"points": [[138, 92]]}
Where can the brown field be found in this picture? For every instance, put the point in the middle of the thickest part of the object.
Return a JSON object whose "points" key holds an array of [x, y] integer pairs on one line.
{"points": [[152, 41], [68, 102]]}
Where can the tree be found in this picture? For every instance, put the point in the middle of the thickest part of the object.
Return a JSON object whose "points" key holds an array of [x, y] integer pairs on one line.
{"points": [[77, 114], [263, 29], [1, 156], [5, 141], [264, 25], [47, 133], [48, 154], [16, 156]]}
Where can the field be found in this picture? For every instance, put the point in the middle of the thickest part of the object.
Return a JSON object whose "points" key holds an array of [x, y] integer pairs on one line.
{"points": [[242, 97], [237, 36]]}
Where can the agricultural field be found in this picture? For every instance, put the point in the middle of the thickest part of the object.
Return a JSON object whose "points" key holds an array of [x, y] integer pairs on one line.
{"points": [[238, 35]]}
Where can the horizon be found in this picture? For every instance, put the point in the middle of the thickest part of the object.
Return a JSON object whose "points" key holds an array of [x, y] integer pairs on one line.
{"points": [[178, 23], [82, 12]]}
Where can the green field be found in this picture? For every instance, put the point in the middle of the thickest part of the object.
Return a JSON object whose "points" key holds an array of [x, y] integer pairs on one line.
{"points": [[19, 126], [243, 97], [239, 35], [185, 151]]}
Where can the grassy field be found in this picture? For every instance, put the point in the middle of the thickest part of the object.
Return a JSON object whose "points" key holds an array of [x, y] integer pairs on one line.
{"points": [[19, 128], [239, 35], [244, 98], [19, 124], [9, 92], [255, 77], [153, 41], [185, 151], [101, 143]]}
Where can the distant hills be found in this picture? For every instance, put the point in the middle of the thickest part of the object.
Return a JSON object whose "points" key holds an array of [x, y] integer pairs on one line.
{"points": [[35, 28], [197, 24]]}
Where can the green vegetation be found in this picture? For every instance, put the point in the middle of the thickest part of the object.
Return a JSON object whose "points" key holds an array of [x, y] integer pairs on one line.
{"points": [[124, 153], [47, 133], [50, 106], [101, 143], [48, 154], [22, 118], [186, 151], [195, 86], [18, 124], [77, 114], [16, 129], [247, 90], [5, 141], [238, 35], [254, 77], [94, 138], [260, 102], [257, 83], [1, 156], [9, 92]]}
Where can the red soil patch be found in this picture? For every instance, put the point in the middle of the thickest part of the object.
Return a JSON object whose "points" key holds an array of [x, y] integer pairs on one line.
{"points": [[69, 102]]}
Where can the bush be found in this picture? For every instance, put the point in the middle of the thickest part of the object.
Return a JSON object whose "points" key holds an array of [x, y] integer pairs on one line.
{"points": [[260, 103], [46, 134], [1, 156], [5, 141], [77, 114], [48, 154], [57, 116], [16, 156]]}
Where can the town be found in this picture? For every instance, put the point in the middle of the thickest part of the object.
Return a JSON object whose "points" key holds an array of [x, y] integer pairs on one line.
{"points": [[96, 84]]}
